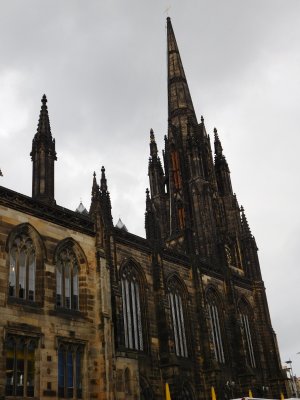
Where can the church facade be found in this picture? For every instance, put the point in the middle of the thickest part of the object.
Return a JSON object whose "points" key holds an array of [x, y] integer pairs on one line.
{"points": [[91, 311]]}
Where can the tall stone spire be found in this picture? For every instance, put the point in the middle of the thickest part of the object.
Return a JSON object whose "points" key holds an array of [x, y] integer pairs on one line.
{"points": [[179, 99], [43, 155]]}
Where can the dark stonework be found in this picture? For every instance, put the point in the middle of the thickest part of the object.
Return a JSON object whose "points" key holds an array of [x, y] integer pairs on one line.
{"points": [[185, 305]]}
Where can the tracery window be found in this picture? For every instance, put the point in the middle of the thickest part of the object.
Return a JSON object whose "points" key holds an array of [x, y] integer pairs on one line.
{"points": [[178, 321], [132, 316], [20, 366], [215, 325], [67, 288], [70, 358], [245, 313], [22, 268]]}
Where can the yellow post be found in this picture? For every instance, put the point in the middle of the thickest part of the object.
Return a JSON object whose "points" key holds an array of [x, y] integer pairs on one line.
{"points": [[213, 394], [250, 393], [281, 396], [168, 394]]}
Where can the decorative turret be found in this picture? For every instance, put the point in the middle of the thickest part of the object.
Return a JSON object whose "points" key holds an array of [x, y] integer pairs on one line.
{"points": [[43, 156], [251, 260], [221, 168], [151, 224], [155, 170], [246, 232], [105, 200], [95, 194]]}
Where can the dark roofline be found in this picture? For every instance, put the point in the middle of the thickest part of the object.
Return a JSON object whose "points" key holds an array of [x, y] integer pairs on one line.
{"points": [[52, 213]]}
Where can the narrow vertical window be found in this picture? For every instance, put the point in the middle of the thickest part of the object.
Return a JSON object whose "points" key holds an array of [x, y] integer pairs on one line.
{"points": [[131, 308], [70, 370], [248, 340], [176, 169], [59, 284], [31, 276], [215, 327], [70, 373], [67, 280], [12, 272], [67, 273], [22, 274], [246, 333], [78, 374], [22, 268], [178, 320]]}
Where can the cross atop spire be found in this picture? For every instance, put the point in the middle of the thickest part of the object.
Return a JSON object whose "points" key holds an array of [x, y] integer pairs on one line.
{"points": [[179, 98]]}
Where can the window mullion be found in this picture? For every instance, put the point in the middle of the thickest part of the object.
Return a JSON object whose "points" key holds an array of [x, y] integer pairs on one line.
{"points": [[71, 285], [62, 284], [15, 369], [17, 272], [26, 275], [25, 369]]}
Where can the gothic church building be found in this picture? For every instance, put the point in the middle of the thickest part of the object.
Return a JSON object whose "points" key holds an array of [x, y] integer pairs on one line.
{"points": [[91, 311]]}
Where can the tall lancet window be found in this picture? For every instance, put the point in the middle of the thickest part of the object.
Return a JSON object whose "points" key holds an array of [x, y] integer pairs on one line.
{"points": [[132, 308], [67, 269], [178, 320], [214, 313], [245, 316], [22, 268]]}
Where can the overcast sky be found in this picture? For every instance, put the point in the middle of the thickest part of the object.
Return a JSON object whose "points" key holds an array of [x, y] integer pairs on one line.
{"points": [[102, 65]]}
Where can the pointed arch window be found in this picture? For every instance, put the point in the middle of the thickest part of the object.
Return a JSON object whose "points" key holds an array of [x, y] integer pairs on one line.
{"points": [[22, 268], [132, 316], [178, 320], [67, 283], [245, 316], [213, 307], [176, 169]]}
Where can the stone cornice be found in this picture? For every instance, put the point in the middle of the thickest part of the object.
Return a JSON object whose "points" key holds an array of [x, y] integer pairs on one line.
{"points": [[52, 213]]}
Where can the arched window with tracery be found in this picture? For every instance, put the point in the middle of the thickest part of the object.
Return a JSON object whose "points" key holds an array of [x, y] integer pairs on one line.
{"points": [[132, 312], [175, 294], [22, 267], [67, 282], [245, 316], [214, 313]]}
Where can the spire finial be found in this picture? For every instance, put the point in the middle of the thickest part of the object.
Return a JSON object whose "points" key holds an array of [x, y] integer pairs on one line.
{"points": [[103, 183], [153, 145], [95, 187], [152, 137], [202, 119], [44, 100], [218, 146]]}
